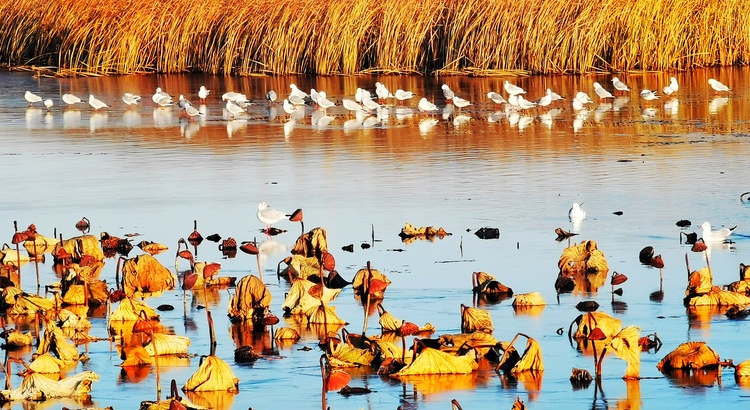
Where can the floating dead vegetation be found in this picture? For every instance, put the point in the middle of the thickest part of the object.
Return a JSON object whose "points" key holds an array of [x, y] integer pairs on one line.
{"points": [[410, 233]]}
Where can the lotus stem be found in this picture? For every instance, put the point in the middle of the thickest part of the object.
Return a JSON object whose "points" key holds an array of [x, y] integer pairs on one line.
{"points": [[36, 263], [18, 255], [325, 381], [366, 288], [156, 362]]}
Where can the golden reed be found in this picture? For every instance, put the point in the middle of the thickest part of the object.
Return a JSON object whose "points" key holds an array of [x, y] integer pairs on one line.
{"points": [[479, 37]]}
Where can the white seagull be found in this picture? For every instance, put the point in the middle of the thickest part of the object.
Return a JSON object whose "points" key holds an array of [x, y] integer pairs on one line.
{"points": [[447, 92], [649, 95], [545, 101], [48, 103], [382, 92], [352, 105], [496, 98], [131, 99], [191, 111], [717, 86], [203, 93], [159, 95], [271, 96], [230, 96], [601, 92], [324, 103], [672, 87], [402, 95], [576, 212], [715, 236], [513, 89], [525, 104], [425, 105], [70, 99], [619, 85], [32, 98], [268, 215], [297, 92], [234, 109], [96, 104], [460, 102], [555, 96]]}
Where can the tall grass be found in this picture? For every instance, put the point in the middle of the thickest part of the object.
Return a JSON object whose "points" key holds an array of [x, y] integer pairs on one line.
{"points": [[478, 37]]}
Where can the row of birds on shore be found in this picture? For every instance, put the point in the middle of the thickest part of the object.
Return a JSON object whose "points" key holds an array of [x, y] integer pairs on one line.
{"points": [[366, 102]]}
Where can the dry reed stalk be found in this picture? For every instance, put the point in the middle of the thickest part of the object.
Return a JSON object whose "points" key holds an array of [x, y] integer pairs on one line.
{"points": [[476, 37]]}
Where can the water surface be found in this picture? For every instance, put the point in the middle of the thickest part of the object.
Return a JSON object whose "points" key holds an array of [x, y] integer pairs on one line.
{"points": [[148, 170]]}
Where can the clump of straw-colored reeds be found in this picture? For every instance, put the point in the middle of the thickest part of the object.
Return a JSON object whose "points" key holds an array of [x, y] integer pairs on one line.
{"points": [[477, 37]]}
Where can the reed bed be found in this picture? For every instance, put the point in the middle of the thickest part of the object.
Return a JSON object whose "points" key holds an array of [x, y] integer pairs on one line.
{"points": [[470, 37]]}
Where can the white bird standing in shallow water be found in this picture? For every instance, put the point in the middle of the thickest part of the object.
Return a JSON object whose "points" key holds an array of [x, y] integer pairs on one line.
{"points": [[576, 212], [203, 93], [601, 92], [130, 98], [619, 85], [48, 103], [425, 105], [513, 89], [32, 98], [715, 236], [447, 92], [649, 95], [70, 99], [96, 104], [496, 98], [672, 87], [268, 215], [717, 86]]}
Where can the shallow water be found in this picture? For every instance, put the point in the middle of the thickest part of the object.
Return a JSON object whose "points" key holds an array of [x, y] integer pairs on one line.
{"points": [[147, 170]]}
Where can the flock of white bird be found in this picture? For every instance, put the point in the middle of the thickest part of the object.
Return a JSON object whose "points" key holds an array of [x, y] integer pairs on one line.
{"points": [[365, 103]]}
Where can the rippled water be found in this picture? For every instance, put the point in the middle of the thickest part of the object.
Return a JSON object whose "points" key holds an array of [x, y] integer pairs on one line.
{"points": [[147, 170]]}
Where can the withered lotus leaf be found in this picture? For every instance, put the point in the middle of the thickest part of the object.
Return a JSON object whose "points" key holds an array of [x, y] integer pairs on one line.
{"points": [[40, 245], [249, 248], [136, 356], [299, 300], [311, 244], [626, 347], [324, 314], [286, 333], [699, 282], [316, 291], [212, 375], [596, 334], [689, 355], [152, 248], [329, 262], [582, 258], [433, 361], [37, 387], [388, 322], [618, 278], [719, 297], [16, 338], [46, 363], [89, 245], [518, 404], [144, 274], [251, 294], [337, 379], [168, 344], [473, 320], [529, 299], [531, 359], [593, 320], [55, 341], [486, 283], [130, 310], [364, 279], [344, 355], [408, 328], [742, 369]]}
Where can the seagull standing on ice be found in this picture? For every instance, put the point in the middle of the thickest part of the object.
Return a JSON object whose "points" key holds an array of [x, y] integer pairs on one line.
{"points": [[382, 92], [715, 236], [130, 98], [268, 215], [717, 86], [402, 95], [496, 98]]}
